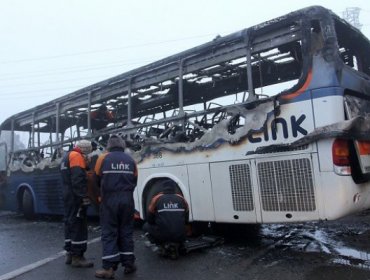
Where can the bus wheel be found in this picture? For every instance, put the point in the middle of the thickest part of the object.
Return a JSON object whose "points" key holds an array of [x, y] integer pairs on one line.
{"points": [[28, 205]]}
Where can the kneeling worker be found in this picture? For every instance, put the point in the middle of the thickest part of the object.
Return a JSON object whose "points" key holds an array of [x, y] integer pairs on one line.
{"points": [[167, 216]]}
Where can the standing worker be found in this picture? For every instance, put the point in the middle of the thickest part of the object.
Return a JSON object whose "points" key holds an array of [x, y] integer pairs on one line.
{"points": [[73, 169], [116, 174], [168, 214]]}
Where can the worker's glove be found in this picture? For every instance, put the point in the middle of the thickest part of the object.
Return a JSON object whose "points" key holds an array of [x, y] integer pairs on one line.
{"points": [[85, 201]]}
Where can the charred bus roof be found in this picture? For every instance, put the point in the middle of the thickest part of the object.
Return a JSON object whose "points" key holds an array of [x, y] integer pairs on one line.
{"points": [[154, 87]]}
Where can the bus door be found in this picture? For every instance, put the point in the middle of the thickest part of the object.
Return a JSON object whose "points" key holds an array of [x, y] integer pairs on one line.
{"points": [[232, 191]]}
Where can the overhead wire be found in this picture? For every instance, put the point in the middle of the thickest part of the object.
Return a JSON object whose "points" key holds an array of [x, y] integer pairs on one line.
{"points": [[45, 74], [3, 89], [4, 94], [81, 67], [26, 93], [102, 50]]}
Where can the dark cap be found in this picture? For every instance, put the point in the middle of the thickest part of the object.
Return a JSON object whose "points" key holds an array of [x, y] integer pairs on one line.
{"points": [[169, 186], [102, 107], [115, 141]]}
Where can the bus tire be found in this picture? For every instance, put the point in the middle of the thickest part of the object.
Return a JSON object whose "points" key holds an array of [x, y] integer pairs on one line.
{"points": [[28, 205]]}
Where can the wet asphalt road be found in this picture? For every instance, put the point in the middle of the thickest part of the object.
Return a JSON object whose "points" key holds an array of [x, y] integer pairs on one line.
{"points": [[331, 250]]}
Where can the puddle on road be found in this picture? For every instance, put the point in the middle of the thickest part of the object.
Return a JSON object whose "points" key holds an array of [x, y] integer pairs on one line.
{"points": [[311, 239]]}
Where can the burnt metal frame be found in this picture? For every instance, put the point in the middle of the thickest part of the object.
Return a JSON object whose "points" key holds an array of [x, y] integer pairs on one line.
{"points": [[245, 43]]}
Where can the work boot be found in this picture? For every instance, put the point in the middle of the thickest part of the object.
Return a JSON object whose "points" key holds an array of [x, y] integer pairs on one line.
{"points": [[171, 250], [129, 268], [68, 258], [105, 273], [80, 261]]}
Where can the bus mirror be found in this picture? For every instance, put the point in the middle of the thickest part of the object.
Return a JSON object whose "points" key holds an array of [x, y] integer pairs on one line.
{"points": [[3, 156]]}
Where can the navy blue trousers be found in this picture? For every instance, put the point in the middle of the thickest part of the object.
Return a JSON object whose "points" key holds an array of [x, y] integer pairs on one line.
{"points": [[75, 228], [117, 225]]}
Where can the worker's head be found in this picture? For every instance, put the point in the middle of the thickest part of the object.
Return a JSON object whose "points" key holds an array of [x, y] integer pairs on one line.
{"points": [[115, 141], [102, 107], [169, 186], [84, 146]]}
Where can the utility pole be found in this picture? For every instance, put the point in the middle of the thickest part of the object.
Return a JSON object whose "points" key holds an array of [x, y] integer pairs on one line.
{"points": [[352, 15]]}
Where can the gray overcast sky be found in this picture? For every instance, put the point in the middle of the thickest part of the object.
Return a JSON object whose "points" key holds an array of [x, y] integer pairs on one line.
{"points": [[53, 47]]}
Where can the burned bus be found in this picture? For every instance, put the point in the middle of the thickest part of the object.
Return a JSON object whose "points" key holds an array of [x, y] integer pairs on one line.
{"points": [[267, 124]]}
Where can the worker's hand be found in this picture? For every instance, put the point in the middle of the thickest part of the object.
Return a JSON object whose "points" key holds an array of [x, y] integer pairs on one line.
{"points": [[85, 201]]}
